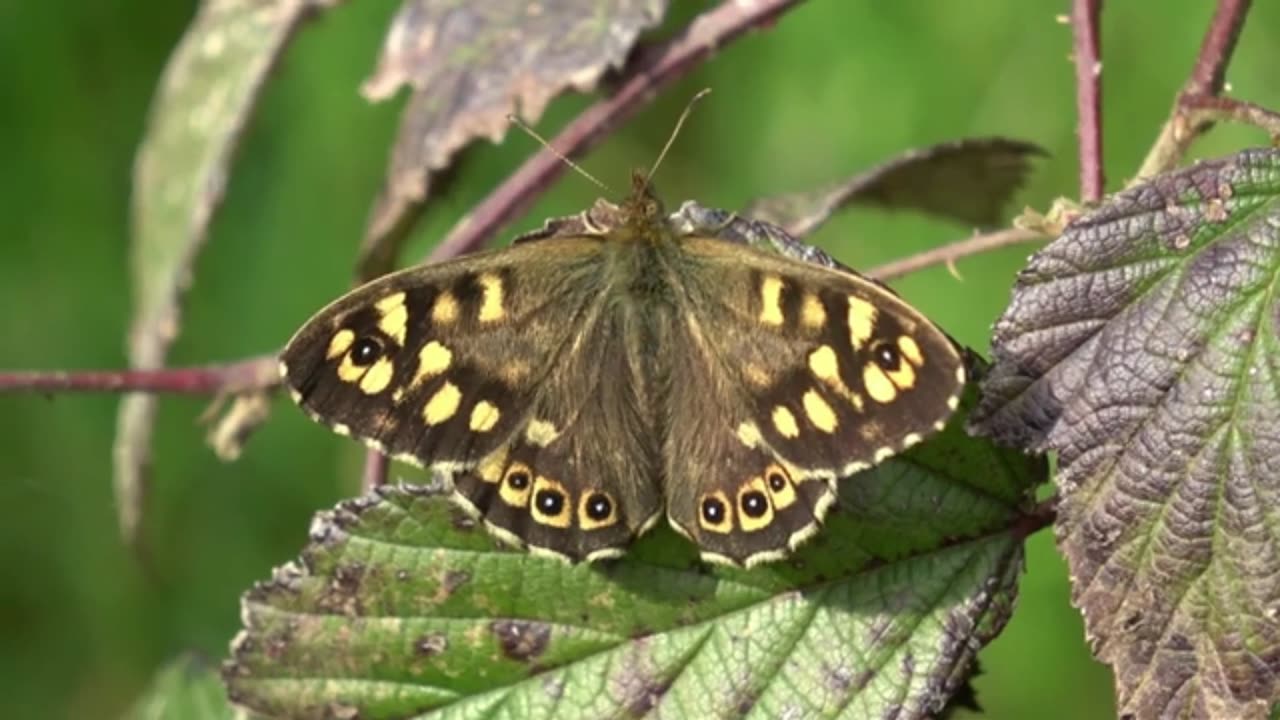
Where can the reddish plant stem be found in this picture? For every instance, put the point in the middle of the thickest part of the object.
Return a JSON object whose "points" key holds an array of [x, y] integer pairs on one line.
{"points": [[1209, 73], [375, 470], [1088, 59], [650, 72], [1206, 80], [949, 253], [257, 373]]}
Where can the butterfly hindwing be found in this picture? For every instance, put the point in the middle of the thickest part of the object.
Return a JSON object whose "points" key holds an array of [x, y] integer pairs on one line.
{"points": [[815, 372], [579, 480]]}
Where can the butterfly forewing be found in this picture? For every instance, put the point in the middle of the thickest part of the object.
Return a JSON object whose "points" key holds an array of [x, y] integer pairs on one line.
{"points": [[490, 369]]}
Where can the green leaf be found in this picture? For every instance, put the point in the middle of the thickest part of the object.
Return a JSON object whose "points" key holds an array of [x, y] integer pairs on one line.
{"points": [[206, 96], [471, 64], [186, 689], [402, 607], [969, 181], [1142, 346]]}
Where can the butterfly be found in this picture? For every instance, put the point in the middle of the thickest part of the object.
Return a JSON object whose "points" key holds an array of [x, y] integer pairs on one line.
{"points": [[623, 366]]}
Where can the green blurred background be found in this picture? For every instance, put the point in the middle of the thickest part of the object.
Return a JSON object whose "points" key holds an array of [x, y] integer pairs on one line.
{"points": [[834, 87]]}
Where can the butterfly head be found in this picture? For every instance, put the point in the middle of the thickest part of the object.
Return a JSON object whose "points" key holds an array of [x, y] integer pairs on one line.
{"points": [[642, 209]]}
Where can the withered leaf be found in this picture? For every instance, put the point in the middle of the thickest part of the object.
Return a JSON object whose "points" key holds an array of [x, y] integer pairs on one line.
{"points": [[968, 180], [1142, 345], [206, 96], [471, 64]]}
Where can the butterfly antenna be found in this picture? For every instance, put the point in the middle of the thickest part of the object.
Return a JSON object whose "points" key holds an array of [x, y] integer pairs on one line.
{"points": [[675, 131], [511, 118]]}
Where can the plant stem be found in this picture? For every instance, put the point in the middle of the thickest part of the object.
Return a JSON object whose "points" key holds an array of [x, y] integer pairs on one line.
{"points": [[1088, 60], [1206, 80], [256, 373], [947, 254]]}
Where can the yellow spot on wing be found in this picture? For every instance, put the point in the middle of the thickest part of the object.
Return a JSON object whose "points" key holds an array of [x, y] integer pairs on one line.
{"points": [[393, 317], [785, 422], [484, 416], [824, 364], [513, 496], [541, 432], [378, 377], [878, 385], [784, 498], [751, 524], [562, 519], [749, 434], [812, 314], [491, 303], [349, 371], [445, 309], [820, 412], [586, 522], [862, 321], [826, 367], [910, 350], [442, 405], [433, 359], [340, 343], [771, 300], [904, 377], [726, 523], [490, 469]]}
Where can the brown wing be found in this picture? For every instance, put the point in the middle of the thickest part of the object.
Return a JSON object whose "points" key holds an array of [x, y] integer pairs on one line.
{"points": [[486, 368], [805, 374]]}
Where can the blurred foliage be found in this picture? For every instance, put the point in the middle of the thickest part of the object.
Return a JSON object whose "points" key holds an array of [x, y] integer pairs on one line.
{"points": [[834, 87]]}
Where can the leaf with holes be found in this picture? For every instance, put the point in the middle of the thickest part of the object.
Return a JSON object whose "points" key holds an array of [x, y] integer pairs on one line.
{"points": [[1142, 346], [969, 181], [208, 91], [470, 65], [402, 607]]}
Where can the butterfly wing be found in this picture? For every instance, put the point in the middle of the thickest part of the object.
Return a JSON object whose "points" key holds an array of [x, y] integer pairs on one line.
{"points": [[451, 366], [812, 374]]}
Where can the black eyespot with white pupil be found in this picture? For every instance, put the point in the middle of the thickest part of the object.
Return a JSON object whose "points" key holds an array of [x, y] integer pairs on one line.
{"points": [[550, 502], [518, 479], [777, 482], [599, 507], [754, 504], [713, 511], [365, 351], [887, 357]]}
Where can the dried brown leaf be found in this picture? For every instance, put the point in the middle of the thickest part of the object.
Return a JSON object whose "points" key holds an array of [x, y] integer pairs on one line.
{"points": [[206, 96], [470, 65], [969, 181]]}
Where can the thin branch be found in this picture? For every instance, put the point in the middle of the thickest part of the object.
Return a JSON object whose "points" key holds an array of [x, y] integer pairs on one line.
{"points": [[1208, 76], [374, 474], [1206, 80], [1088, 59], [650, 72], [947, 254], [1209, 109], [258, 373]]}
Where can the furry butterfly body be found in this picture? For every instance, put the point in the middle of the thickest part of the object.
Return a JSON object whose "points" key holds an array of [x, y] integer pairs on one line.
{"points": [[624, 366]]}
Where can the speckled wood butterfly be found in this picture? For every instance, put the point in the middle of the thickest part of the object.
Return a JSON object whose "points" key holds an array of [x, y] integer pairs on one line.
{"points": [[622, 365]]}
